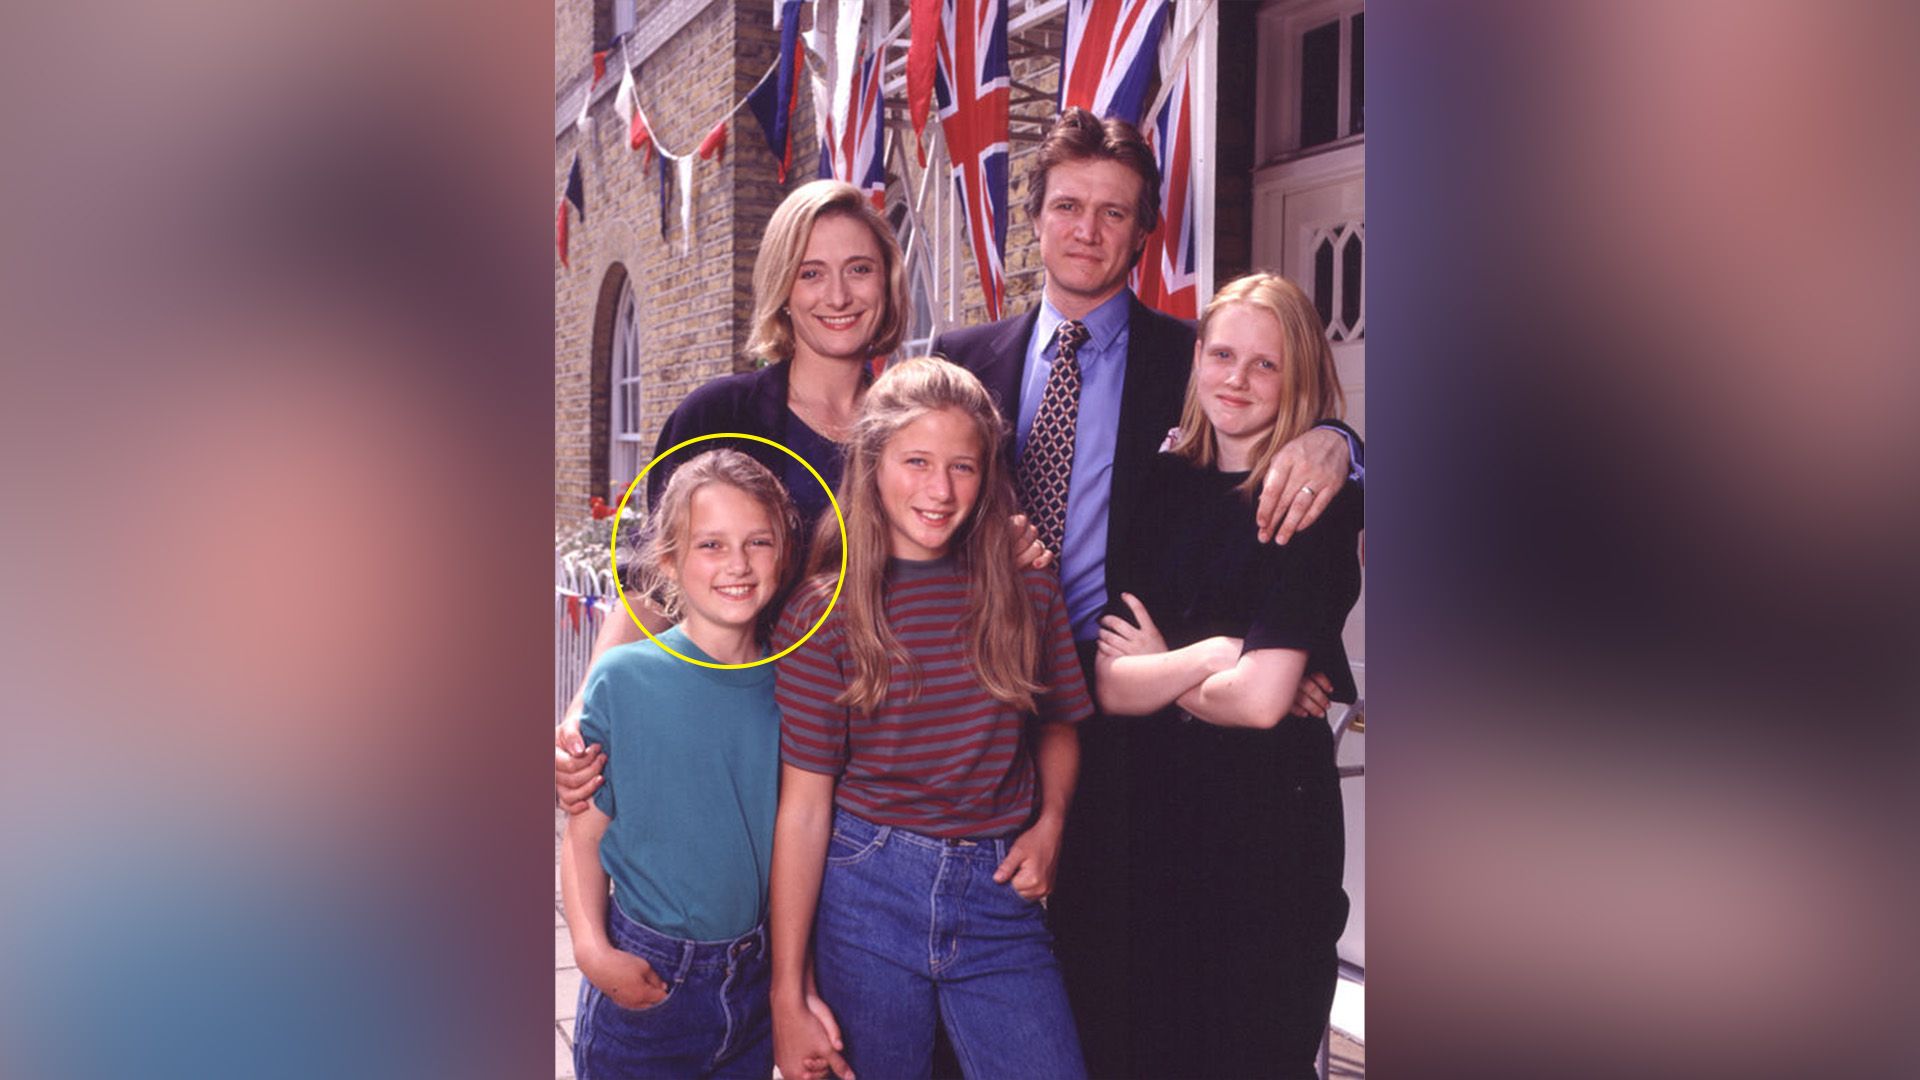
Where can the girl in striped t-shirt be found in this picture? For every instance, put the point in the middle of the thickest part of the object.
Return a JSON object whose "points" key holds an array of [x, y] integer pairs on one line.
{"points": [[928, 754]]}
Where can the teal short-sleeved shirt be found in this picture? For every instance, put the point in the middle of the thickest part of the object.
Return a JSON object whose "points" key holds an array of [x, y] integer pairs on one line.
{"points": [[693, 759]]}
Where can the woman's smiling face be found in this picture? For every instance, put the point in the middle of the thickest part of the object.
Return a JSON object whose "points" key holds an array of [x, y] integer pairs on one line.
{"points": [[839, 292]]}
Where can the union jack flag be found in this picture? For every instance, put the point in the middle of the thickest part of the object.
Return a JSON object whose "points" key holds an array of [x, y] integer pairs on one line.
{"points": [[970, 94], [858, 156], [1164, 277], [1108, 55]]}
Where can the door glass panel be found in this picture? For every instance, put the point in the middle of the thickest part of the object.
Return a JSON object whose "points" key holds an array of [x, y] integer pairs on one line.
{"points": [[1323, 279], [1320, 85], [1351, 254], [1357, 80]]}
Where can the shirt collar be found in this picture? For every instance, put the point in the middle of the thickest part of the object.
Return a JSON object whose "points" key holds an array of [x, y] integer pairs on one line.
{"points": [[1103, 323]]}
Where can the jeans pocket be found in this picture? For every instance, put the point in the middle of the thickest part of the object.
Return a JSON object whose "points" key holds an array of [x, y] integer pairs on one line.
{"points": [[656, 962], [673, 990], [844, 850]]}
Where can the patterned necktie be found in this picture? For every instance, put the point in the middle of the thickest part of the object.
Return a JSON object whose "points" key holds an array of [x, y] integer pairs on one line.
{"points": [[1047, 466]]}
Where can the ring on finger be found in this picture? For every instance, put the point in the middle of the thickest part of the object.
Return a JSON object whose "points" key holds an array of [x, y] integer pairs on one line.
{"points": [[1306, 489]]}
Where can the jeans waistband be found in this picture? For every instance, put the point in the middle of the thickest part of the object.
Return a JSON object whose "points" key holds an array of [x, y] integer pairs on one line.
{"points": [[673, 957], [859, 829]]}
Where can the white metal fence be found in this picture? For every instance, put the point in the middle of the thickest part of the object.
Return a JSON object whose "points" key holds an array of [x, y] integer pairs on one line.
{"points": [[583, 598]]}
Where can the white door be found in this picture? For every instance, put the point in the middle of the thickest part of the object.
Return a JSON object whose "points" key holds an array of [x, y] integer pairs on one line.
{"points": [[1310, 226], [1323, 247]]}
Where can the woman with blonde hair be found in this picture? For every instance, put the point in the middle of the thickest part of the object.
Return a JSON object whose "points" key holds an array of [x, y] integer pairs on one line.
{"points": [[1235, 899], [929, 756], [830, 297]]}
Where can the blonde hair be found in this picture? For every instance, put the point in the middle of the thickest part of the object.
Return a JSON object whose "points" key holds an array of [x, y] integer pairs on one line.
{"points": [[784, 247], [1310, 388], [1001, 637], [664, 537]]}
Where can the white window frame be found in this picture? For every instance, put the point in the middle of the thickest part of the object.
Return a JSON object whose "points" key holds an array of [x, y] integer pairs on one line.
{"points": [[626, 449], [1283, 27]]}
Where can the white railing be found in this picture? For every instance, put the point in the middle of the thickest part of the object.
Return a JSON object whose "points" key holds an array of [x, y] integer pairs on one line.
{"points": [[583, 598]]}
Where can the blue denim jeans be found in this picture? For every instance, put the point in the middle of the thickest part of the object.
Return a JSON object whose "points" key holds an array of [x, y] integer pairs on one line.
{"points": [[714, 1021], [912, 931]]}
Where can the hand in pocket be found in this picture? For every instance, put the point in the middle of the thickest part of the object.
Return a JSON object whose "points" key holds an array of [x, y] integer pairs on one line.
{"points": [[628, 980]]}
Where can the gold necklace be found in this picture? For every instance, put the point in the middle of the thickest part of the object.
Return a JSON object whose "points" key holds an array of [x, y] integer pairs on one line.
{"points": [[816, 417]]}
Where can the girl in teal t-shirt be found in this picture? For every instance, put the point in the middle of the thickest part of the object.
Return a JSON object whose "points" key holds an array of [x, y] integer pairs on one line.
{"points": [[676, 967]]}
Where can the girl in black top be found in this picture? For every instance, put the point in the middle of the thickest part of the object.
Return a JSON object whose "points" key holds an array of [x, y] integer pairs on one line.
{"points": [[1236, 837], [829, 298]]}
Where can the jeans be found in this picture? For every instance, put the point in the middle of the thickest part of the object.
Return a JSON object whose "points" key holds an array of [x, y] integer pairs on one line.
{"points": [[714, 1021], [913, 930]]}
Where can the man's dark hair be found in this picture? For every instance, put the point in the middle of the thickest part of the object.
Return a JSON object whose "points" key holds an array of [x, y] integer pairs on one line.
{"points": [[1080, 136]]}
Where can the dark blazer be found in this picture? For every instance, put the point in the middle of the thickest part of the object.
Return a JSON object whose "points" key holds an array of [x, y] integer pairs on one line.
{"points": [[750, 402], [1159, 355]]}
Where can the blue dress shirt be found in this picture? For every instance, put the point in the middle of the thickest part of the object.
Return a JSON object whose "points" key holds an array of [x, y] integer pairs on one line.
{"points": [[1103, 369]]}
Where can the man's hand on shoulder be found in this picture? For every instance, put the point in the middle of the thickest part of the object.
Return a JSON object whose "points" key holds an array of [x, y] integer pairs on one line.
{"points": [[1301, 482]]}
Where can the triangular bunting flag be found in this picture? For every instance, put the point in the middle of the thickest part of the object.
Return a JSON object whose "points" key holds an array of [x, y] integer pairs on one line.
{"points": [[715, 142], [640, 136], [666, 188], [576, 189], [626, 101], [686, 203]]}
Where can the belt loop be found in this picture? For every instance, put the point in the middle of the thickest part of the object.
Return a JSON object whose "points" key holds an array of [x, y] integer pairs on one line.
{"points": [[880, 837]]}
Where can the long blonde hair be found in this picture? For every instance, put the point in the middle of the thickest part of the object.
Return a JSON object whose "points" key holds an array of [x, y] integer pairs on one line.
{"points": [[1001, 637], [1310, 386], [784, 247], [664, 538]]}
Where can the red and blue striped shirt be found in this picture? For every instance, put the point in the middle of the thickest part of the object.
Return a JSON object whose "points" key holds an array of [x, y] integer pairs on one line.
{"points": [[952, 761]]}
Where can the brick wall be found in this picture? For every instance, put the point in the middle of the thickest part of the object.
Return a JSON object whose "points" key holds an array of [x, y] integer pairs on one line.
{"points": [[693, 298], [572, 39]]}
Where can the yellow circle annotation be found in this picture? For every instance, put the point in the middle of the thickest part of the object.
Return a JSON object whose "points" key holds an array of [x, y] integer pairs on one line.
{"points": [[613, 550]]}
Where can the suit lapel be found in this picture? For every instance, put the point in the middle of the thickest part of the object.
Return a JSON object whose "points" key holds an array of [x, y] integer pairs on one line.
{"points": [[1006, 363], [1155, 381], [1137, 391]]}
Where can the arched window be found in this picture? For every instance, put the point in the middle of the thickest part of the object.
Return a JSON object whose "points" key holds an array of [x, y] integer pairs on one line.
{"points": [[626, 452]]}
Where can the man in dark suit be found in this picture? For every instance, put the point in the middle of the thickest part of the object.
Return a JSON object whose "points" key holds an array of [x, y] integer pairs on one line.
{"points": [[1093, 200]]}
